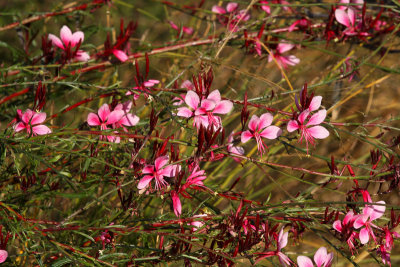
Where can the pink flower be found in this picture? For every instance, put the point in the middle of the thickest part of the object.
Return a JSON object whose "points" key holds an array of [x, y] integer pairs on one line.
{"points": [[260, 127], [284, 61], [158, 172], [346, 228], [234, 17], [104, 118], [197, 224], [68, 41], [128, 119], [31, 121], [348, 19], [203, 110], [309, 133], [364, 220], [282, 242], [321, 258], [265, 5], [143, 88], [195, 178], [3, 255]]}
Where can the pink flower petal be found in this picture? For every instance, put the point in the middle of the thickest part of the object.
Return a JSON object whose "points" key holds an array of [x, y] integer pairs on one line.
{"points": [[349, 217], [246, 136], [148, 169], [82, 56], [3, 255], [223, 107], [317, 118], [377, 210], [218, 10], [66, 35], [27, 116], [364, 236], [19, 127], [38, 118], [215, 96], [360, 221], [41, 129], [315, 103], [129, 120], [352, 15], [342, 17], [318, 132], [282, 239], [160, 162], [271, 132], [321, 256], [93, 119], [303, 116], [114, 116], [230, 7], [265, 120], [337, 225], [76, 38], [253, 124], [192, 99], [284, 47], [56, 41], [304, 261], [188, 85], [292, 126], [121, 55], [103, 112], [207, 104], [144, 182], [184, 112]]}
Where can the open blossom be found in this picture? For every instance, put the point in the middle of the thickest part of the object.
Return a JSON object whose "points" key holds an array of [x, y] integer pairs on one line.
{"points": [[260, 127], [203, 110], [31, 121], [105, 119], [282, 242], [346, 228], [349, 19], [157, 172], [369, 214], [231, 16], [128, 119], [68, 41], [311, 129], [321, 258], [3, 255], [284, 60]]}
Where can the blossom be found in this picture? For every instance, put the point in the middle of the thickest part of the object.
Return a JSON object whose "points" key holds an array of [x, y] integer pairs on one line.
{"points": [[235, 15], [70, 40], [356, 3], [321, 258], [203, 110], [348, 19], [346, 228], [284, 61], [281, 243], [369, 214], [121, 55], [32, 121], [3, 255], [128, 119], [105, 118], [309, 133], [260, 127], [157, 172]]}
